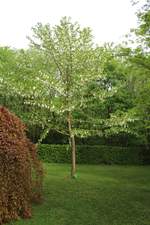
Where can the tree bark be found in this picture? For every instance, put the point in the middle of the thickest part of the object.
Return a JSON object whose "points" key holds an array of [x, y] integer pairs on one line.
{"points": [[73, 146]]}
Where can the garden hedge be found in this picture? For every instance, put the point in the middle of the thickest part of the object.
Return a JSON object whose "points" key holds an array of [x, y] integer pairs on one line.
{"points": [[88, 154]]}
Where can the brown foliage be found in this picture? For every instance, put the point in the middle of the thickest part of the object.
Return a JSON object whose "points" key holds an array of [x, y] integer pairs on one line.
{"points": [[20, 171]]}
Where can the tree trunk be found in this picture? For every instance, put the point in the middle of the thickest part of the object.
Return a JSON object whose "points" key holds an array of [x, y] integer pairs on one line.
{"points": [[73, 146]]}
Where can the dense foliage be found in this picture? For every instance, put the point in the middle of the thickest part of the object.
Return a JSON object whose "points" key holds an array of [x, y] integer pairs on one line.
{"points": [[20, 170]]}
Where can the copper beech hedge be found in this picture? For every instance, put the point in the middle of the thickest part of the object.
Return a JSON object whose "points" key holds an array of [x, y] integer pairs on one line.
{"points": [[20, 170]]}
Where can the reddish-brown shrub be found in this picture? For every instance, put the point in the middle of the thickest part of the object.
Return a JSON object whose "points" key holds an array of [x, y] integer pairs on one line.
{"points": [[20, 171]]}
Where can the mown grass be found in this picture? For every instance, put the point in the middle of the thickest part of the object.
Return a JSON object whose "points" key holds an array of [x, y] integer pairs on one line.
{"points": [[101, 195]]}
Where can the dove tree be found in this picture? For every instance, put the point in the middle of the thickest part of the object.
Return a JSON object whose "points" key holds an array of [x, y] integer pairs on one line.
{"points": [[74, 64]]}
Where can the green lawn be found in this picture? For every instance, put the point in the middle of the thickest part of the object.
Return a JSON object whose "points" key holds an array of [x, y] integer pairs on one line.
{"points": [[102, 195]]}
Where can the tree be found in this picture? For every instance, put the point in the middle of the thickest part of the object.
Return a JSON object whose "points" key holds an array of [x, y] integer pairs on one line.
{"points": [[75, 64], [70, 78], [136, 59], [143, 30], [139, 73]]}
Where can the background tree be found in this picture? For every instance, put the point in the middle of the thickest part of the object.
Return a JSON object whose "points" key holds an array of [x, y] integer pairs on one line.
{"points": [[139, 73]]}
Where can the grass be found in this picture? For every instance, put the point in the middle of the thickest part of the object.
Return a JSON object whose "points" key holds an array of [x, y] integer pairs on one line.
{"points": [[101, 195]]}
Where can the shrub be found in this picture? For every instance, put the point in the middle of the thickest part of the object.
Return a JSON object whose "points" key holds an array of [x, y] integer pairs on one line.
{"points": [[87, 154], [20, 170]]}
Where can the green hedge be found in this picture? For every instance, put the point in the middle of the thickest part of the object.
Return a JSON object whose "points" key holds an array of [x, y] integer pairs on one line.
{"points": [[87, 154], [54, 153]]}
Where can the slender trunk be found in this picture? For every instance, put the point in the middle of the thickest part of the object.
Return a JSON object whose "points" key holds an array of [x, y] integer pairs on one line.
{"points": [[73, 146], [73, 169]]}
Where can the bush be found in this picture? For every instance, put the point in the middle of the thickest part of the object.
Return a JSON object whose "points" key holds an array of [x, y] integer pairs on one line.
{"points": [[88, 154], [20, 170]]}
